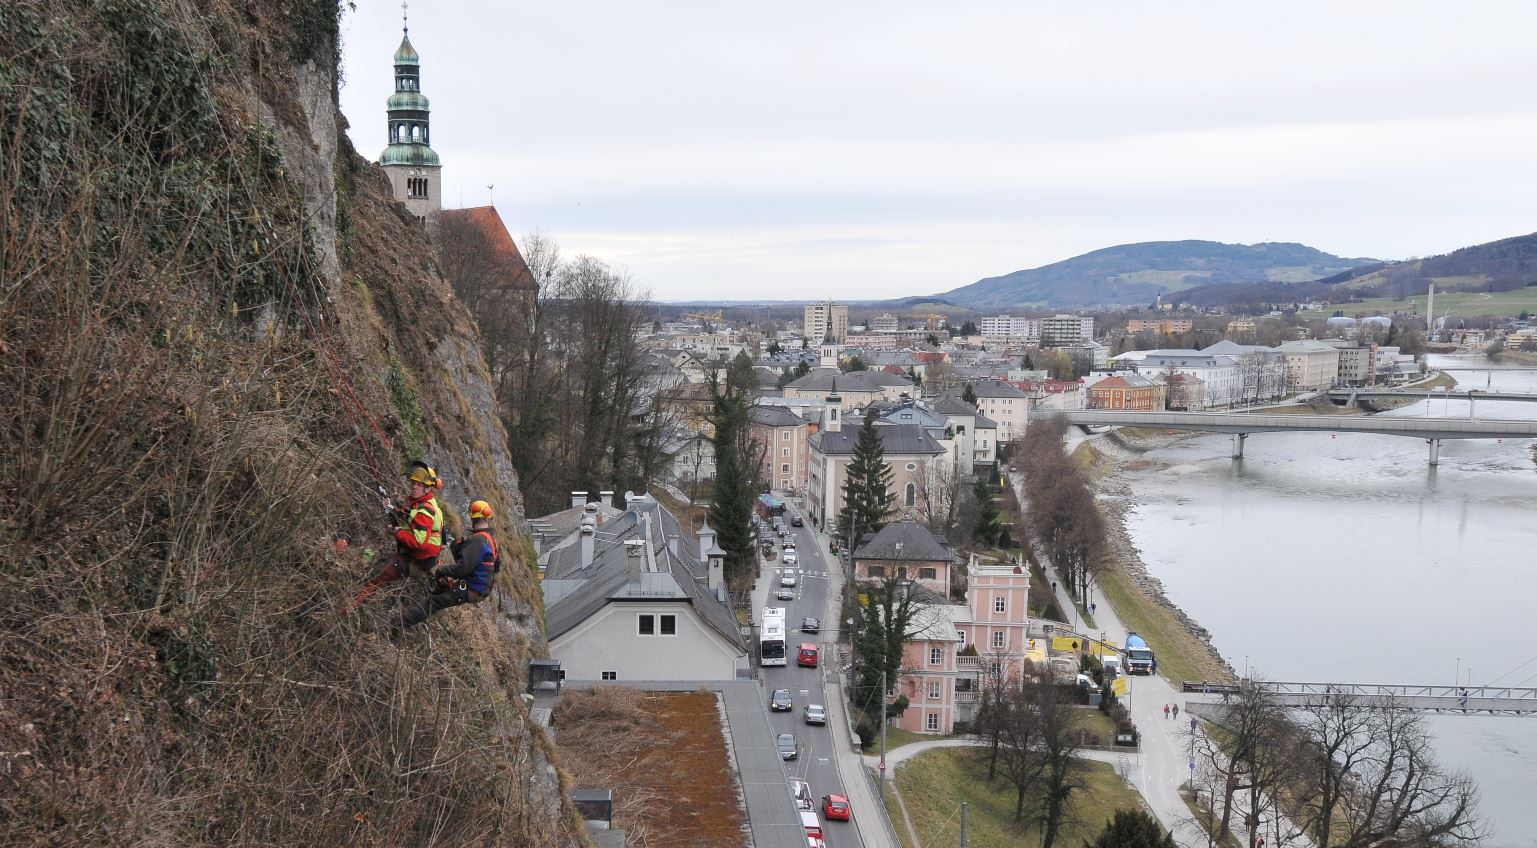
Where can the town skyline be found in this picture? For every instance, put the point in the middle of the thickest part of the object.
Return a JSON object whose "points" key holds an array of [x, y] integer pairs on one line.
{"points": [[697, 147]]}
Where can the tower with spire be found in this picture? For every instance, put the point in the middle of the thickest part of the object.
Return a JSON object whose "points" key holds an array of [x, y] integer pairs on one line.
{"points": [[409, 160]]}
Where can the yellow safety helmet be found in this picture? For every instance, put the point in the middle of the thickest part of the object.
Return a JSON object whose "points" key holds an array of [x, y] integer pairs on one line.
{"points": [[479, 510], [423, 473]]}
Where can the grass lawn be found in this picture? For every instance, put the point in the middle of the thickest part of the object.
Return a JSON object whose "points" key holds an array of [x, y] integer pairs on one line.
{"points": [[1098, 724], [896, 737], [1180, 655], [936, 782]]}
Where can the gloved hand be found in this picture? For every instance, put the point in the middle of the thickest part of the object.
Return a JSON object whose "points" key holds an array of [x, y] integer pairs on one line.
{"points": [[441, 582]]}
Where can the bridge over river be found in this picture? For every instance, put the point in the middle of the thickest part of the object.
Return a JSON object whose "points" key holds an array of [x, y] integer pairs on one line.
{"points": [[1471, 395], [1499, 700], [1242, 424]]}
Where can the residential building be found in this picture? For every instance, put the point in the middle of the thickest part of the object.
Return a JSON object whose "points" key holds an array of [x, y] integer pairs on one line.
{"points": [[1064, 330], [1161, 326], [1005, 405], [1242, 327], [1358, 362], [914, 456], [858, 389], [1027, 330], [906, 550], [871, 341], [1092, 352], [1128, 392], [825, 320], [1220, 376], [885, 323], [1310, 364], [786, 450], [639, 598], [975, 435], [1183, 391]]}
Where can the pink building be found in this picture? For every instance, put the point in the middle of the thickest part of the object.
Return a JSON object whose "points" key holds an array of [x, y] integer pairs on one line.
{"points": [[941, 685]]}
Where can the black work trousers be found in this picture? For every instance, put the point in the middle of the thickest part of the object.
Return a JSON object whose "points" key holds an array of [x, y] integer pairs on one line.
{"points": [[412, 614]]}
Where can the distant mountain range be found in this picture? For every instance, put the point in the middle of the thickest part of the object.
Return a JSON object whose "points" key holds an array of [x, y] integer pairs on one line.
{"points": [[1133, 274], [1502, 265]]}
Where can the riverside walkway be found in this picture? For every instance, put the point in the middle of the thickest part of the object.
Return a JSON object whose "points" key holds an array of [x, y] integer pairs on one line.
{"points": [[1244, 424]]}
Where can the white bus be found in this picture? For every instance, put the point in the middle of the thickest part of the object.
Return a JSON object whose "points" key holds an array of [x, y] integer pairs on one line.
{"points": [[771, 638]]}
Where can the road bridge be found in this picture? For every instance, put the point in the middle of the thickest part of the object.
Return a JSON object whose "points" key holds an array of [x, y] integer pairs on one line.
{"points": [[1496, 700], [1243, 424]]}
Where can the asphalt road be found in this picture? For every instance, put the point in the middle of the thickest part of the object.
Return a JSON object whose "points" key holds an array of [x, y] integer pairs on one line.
{"points": [[815, 764]]}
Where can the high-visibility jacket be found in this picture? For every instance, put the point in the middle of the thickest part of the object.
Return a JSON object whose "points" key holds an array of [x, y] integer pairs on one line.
{"points": [[423, 533], [477, 562]]}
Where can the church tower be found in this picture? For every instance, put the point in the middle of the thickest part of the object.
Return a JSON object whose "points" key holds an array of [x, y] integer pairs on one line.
{"points": [[829, 354], [412, 166]]}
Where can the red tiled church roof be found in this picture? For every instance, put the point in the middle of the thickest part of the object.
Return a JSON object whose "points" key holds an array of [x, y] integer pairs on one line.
{"points": [[484, 224]]}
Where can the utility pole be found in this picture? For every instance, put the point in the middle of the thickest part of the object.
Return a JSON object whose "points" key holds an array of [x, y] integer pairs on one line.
{"points": [[883, 729], [965, 836]]}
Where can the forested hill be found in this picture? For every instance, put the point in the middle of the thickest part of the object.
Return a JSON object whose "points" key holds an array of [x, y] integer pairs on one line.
{"points": [[1137, 273], [218, 334]]}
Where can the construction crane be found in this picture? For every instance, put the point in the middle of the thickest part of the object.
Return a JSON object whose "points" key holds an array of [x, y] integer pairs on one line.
{"points": [[934, 321], [705, 318]]}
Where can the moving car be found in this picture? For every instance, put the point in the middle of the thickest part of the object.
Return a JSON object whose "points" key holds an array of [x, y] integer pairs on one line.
{"points": [[785, 594], [787, 579], [788, 749], [790, 544], [815, 713], [781, 702], [810, 625], [797, 522], [836, 808], [790, 557], [807, 657]]}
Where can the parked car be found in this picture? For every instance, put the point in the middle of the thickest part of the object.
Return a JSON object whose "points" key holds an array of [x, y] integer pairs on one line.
{"points": [[806, 657], [781, 702], [788, 749], [836, 808], [787, 579], [810, 625], [797, 522], [815, 713], [785, 594]]}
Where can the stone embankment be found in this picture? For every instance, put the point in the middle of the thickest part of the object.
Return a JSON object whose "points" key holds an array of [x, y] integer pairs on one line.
{"points": [[1124, 451]]}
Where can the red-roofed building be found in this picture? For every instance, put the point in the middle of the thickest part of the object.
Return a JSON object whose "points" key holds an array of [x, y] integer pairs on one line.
{"points": [[479, 257]]}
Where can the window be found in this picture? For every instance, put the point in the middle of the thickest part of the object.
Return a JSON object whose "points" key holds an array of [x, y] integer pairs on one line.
{"points": [[784, 451], [912, 494], [784, 436], [928, 574], [416, 186], [933, 690], [932, 722], [936, 656], [647, 625], [784, 468], [610, 675], [999, 639], [669, 625], [1000, 604], [912, 466], [877, 570]]}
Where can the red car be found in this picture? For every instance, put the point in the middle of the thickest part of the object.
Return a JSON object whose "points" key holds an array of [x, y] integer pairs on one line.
{"points": [[836, 808], [807, 657]]}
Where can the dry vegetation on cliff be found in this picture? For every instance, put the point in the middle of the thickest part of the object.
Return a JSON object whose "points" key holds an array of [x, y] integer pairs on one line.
{"points": [[200, 398]]}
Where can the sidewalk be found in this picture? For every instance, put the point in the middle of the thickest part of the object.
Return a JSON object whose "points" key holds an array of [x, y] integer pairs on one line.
{"points": [[870, 817]]}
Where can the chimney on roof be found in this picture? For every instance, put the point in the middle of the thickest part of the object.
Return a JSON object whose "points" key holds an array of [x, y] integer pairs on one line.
{"points": [[606, 498], [717, 568], [589, 539], [672, 544], [706, 537], [635, 557], [577, 499]]}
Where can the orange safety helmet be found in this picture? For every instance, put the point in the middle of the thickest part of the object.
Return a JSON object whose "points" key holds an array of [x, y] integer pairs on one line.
{"points": [[480, 510]]}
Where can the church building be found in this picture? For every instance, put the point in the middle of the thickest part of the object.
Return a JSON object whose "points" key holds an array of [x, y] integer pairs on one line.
{"points": [[409, 160]]}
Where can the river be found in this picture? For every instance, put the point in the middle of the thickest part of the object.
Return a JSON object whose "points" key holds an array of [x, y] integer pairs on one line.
{"points": [[1348, 558]]}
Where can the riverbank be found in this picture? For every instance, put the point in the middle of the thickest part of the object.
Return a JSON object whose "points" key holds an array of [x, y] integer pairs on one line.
{"points": [[1185, 650]]}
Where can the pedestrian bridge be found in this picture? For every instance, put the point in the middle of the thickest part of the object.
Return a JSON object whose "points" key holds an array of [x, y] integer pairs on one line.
{"points": [[1242, 424], [1496, 700], [1351, 395]]}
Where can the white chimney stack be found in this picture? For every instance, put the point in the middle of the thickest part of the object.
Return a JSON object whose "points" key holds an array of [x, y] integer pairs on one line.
{"points": [[589, 539], [635, 558], [717, 569], [607, 499], [577, 499], [706, 538]]}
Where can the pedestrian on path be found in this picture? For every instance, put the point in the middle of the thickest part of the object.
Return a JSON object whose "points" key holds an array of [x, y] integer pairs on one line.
{"points": [[1176, 712], [1093, 608], [1165, 710], [1053, 586]]}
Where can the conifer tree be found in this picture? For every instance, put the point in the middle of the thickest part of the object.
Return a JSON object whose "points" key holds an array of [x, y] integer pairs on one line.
{"points": [[1132, 829], [989, 519], [969, 395], [868, 501], [732, 500]]}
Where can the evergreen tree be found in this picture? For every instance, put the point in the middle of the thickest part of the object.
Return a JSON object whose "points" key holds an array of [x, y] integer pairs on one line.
{"points": [[885, 627], [1027, 364], [1132, 829], [989, 519], [969, 395], [740, 376], [867, 498], [969, 329], [914, 376], [731, 502], [802, 368]]}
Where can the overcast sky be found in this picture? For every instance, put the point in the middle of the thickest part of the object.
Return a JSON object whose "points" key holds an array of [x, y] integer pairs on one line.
{"points": [[865, 150]]}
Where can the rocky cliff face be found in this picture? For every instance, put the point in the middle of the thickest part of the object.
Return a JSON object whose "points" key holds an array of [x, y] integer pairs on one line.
{"points": [[218, 334]]}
